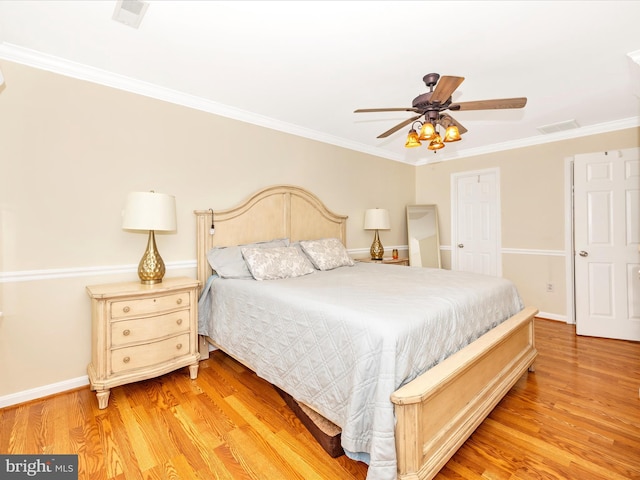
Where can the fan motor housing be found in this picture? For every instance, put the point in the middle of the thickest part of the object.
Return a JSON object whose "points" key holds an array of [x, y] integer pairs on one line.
{"points": [[423, 102]]}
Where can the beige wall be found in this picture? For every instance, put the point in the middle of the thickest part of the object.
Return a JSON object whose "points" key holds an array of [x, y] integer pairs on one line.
{"points": [[70, 151], [532, 189]]}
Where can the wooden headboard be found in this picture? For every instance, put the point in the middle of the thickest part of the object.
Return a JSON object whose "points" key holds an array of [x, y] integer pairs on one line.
{"points": [[280, 211]]}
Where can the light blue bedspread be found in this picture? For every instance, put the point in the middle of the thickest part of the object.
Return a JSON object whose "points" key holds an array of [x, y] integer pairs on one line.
{"points": [[343, 340]]}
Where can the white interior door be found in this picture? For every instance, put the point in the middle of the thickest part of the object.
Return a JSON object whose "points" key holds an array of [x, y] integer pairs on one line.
{"points": [[476, 222], [607, 239]]}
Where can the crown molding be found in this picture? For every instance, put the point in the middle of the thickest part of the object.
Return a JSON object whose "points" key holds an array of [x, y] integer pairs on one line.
{"points": [[606, 127], [79, 71], [634, 68]]}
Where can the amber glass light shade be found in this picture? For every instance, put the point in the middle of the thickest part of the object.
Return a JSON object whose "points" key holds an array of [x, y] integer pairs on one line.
{"points": [[452, 134], [436, 143], [412, 139], [427, 132]]}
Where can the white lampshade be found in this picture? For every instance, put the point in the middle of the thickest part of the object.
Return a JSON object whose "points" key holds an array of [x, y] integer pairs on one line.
{"points": [[376, 219], [149, 211]]}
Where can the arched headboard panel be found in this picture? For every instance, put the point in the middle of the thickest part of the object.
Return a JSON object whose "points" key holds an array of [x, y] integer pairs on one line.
{"points": [[274, 212]]}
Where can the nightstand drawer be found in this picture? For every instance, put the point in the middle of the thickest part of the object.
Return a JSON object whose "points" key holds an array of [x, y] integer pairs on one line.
{"points": [[141, 356], [145, 329], [142, 306]]}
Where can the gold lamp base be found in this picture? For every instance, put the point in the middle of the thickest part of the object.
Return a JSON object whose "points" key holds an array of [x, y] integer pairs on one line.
{"points": [[377, 250], [151, 267]]}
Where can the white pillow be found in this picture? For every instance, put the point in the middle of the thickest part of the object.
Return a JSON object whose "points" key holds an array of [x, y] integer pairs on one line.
{"points": [[276, 262], [327, 253], [228, 262]]}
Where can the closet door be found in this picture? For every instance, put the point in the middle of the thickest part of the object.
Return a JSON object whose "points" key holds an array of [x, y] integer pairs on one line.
{"points": [[607, 239], [475, 210]]}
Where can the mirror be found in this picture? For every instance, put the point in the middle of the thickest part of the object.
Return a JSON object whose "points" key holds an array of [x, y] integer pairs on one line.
{"points": [[423, 236]]}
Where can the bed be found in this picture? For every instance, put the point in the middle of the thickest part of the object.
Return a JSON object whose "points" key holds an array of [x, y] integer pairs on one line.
{"points": [[421, 413]]}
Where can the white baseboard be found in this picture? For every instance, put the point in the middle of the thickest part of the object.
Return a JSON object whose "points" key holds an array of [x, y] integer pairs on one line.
{"points": [[553, 316], [44, 391]]}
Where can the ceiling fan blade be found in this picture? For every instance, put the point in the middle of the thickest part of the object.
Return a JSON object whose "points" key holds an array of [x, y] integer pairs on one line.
{"points": [[445, 87], [399, 109], [399, 126], [453, 121], [497, 103]]}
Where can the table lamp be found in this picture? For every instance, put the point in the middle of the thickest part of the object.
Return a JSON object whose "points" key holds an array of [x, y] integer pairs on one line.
{"points": [[153, 212], [376, 219]]}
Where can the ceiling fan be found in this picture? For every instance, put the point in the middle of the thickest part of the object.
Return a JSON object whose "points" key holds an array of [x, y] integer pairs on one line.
{"points": [[432, 104]]}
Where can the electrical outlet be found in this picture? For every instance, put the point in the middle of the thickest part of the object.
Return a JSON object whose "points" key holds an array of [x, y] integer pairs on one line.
{"points": [[549, 287]]}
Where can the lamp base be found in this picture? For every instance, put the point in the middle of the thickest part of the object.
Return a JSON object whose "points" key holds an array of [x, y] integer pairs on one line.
{"points": [[151, 268], [377, 250]]}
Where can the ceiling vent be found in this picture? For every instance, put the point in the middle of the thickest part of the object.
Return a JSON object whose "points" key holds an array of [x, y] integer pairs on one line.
{"points": [[130, 12], [558, 127]]}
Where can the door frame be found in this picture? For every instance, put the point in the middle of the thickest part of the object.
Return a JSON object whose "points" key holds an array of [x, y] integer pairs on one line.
{"points": [[569, 241], [454, 214]]}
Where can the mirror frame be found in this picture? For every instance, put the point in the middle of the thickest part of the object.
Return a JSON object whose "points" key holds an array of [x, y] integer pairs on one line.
{"points": [[431, 223]]}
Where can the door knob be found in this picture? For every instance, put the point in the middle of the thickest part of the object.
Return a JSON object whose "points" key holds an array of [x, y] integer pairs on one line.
{"points": [[461, 245], [582, 253]]}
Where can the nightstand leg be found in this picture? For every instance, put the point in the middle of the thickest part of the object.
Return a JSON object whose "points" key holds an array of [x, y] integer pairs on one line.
{"points": [[193, 371], [103, 398]]}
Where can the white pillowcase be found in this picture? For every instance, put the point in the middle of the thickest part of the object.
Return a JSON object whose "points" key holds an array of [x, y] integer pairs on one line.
{"points": [[277, 262], [327, 253]]}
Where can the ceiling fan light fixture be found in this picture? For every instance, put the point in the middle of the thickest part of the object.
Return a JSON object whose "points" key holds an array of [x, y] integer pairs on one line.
{"points": [[452, 134], [412, 139], [436, 143], [429, 107], [427, 132]]}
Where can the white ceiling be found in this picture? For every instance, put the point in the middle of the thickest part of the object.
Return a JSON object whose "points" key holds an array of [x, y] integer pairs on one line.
{"points": [[303, 66]]}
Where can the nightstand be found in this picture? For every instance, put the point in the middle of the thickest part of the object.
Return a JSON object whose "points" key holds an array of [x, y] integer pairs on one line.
{"points": [[141, 331], [392, 261]]}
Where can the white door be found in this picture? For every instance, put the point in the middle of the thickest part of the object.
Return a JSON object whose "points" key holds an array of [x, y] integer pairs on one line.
{"points": [[475, 200], [607, 239]]}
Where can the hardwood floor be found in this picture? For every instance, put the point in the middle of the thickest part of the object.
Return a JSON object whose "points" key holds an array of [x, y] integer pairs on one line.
{"points": [[576, 417]]}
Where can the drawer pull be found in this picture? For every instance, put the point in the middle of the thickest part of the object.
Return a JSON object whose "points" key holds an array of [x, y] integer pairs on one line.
{"points": [[179, 301], [179, 346], [126, 333], [126, 359], [179, 321], [126, 309]]}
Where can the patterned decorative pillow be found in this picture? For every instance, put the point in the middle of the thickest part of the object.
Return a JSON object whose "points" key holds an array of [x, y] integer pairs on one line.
{"points": [[298, 247], [228, 262], [277, 262], [327, 253]]}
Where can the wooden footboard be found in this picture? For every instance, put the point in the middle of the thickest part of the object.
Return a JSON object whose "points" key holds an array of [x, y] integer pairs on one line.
{"points": [[440, 409]]}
